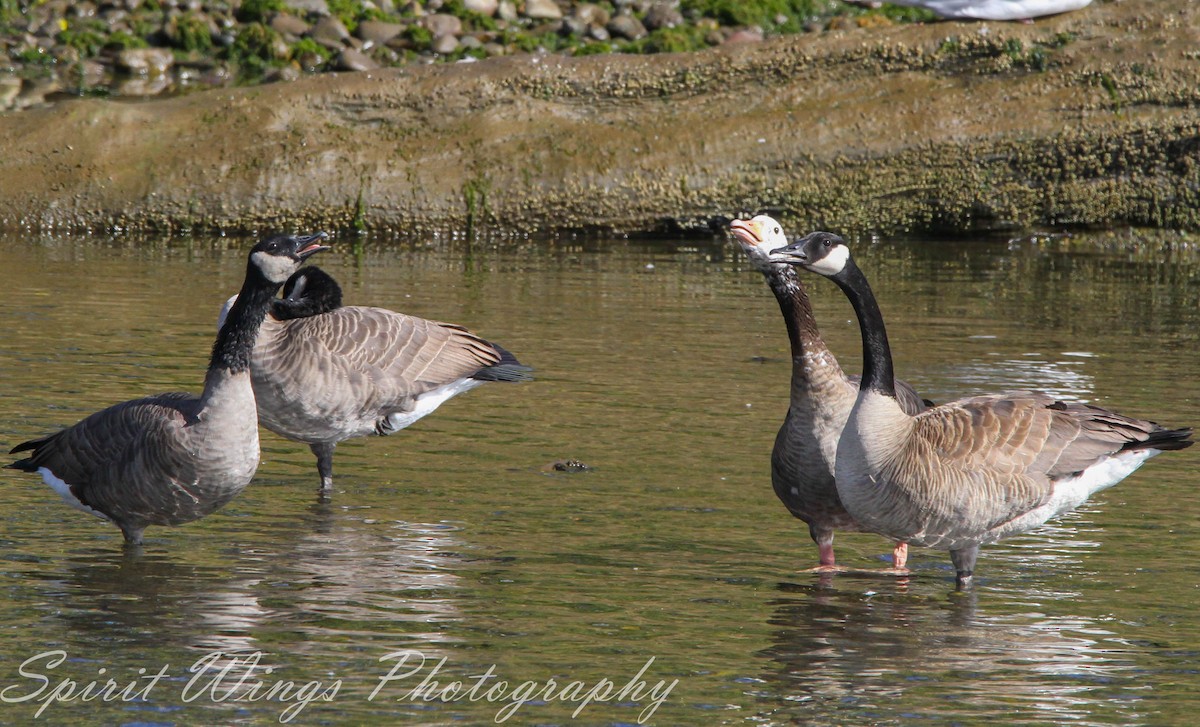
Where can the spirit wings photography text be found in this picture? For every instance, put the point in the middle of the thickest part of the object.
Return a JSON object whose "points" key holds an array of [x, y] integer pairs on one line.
{"points": [[242, 678]]}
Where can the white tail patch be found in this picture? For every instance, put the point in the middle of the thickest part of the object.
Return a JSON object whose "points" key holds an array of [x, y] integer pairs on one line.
{"points": [[1071, 492], [64, 491], [429, 401]]}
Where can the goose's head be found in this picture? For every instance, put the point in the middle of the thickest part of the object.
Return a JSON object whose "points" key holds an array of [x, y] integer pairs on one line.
{"points": [[309, 292], [758, 236], [278, 256], [823, 253]]}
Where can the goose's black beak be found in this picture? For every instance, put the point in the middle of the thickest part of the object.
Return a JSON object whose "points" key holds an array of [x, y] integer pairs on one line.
{"points": [[791, 254], [308, 245]]}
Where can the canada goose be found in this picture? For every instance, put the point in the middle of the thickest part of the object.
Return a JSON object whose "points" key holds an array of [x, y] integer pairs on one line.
{"points": [[173, 458], [970, 471], [324, 373], [802, 462], [990, 9]]}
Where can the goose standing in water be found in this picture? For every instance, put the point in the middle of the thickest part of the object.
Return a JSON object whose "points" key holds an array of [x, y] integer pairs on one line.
{"points": [[802, 462], [324, 373], [970, 471], [173, 458]]}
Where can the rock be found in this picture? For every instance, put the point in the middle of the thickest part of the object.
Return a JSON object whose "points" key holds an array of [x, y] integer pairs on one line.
{"points": [[626, 26], [316, 7], [591, 14], [330, 33], [82, 10], [483, 7], [310, 61], [93, 74], [352, 60], [543, 10], [286, 74], [377, 31], [566, 465], [34, 93], [470, 42], [444, 45], [750, 34], [441, 24], [289, 25], [572, 25], [10, 86], [143, 86], [662, 15], [146, 61], [507, 11]]}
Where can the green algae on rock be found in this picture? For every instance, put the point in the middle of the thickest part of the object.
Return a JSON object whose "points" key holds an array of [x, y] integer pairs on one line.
{"points": [[1076, 120]]}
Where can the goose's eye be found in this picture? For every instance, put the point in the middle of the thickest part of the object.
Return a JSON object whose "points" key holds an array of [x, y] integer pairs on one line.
{"points": [[829, 243], [776, 230]]}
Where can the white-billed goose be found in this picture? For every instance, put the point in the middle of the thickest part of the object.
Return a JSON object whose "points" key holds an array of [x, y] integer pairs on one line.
{"points": [[970, 471], [802, 462], [324, 373], [173, 458]]}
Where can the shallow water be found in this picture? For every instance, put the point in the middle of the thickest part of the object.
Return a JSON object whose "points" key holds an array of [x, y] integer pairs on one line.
{"points": [[664, 367]]}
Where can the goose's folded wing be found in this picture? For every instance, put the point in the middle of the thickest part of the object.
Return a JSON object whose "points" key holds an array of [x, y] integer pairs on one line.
{"points": [[387, 358], [983, 454], [107, 457]]}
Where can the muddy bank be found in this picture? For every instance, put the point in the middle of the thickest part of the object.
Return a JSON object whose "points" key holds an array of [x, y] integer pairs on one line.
{"points": [[1089, 118]]}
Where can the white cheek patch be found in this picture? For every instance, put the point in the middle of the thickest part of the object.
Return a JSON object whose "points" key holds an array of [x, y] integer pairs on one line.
{"points": [[833, 263], [275, 268]]}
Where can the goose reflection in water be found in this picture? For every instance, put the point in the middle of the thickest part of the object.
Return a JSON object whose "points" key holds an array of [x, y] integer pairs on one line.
{"points": [[344, 582], [845, 654]]}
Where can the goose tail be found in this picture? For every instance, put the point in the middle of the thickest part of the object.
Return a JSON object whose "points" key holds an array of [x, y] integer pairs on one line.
{"points": [[1164, 440], [27, 464], [508, 368]]}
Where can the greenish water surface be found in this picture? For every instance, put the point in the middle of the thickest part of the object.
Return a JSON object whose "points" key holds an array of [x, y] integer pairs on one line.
{"points": [[452, 552]]}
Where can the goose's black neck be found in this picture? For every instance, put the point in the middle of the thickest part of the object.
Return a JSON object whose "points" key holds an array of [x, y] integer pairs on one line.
{"points": [[877, 375], [309, 292], [286, 309], [235, 340], [797, 311]]}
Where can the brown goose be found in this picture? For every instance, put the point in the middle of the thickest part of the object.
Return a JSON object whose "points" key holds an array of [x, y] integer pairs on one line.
{"points": [[971, 471], [802, 462], [324, 373], [173, 458]]}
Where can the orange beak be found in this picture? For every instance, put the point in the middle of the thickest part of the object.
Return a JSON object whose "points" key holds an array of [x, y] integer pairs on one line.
{"points": [[745, 231]]}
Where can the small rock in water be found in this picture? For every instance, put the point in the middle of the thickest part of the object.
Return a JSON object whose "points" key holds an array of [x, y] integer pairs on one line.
{"points": [[567, 465]]}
